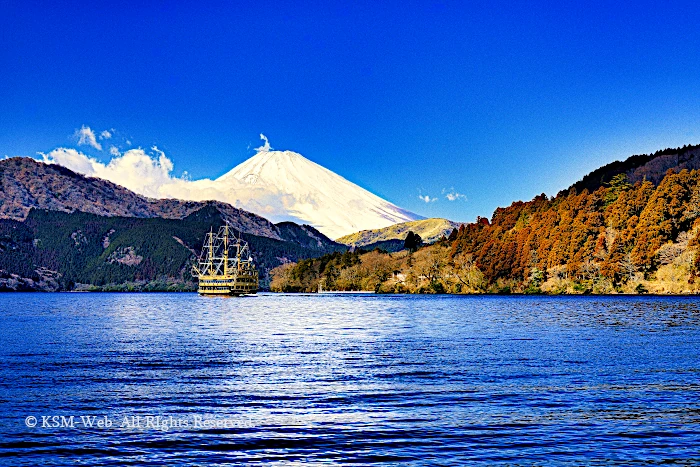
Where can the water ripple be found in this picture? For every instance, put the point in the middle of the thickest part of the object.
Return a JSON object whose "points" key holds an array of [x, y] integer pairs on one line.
{"points": [[363, 379]]}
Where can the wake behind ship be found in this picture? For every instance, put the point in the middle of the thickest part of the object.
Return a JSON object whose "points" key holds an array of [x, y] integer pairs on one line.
{"points": [[225, 266]]}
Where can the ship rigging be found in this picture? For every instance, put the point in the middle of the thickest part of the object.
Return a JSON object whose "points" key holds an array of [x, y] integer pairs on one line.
{"points": [[225, 265]]}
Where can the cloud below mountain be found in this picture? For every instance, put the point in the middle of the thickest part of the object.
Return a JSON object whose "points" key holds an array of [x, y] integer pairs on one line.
{"points": [[151, 174], [279, 185]]}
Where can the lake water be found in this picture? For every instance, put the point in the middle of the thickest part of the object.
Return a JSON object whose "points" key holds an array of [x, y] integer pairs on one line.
{"points": [[365, 379]]}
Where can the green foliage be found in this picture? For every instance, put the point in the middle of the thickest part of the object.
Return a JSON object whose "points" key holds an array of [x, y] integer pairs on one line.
{"points": [[307, 274], [437, 287], [617, 185], [91, 249], [536, 277]]}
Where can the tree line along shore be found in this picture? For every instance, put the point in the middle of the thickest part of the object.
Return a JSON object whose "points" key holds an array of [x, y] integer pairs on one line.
{"points": [[620, 238]]}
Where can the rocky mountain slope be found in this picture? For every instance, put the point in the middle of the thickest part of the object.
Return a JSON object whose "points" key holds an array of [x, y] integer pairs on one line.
{"points": [[27, 184]]}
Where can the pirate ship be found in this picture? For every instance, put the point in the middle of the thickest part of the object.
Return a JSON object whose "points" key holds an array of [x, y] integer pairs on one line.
{"points": [[225, 265]]}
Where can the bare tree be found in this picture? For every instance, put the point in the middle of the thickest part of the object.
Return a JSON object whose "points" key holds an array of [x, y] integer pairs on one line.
{"points": [[590, 269], [693, 210], [670, 251], [466, 271], [559, 272], [627, 266], [433, 264]]}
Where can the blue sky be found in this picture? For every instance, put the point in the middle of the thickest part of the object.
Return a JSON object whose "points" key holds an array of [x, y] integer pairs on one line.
{"points": [[496, 100]]}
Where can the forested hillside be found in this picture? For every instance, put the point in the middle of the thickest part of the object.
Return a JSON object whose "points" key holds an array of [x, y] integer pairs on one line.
{"points": [[53, 250], [622, 237]]}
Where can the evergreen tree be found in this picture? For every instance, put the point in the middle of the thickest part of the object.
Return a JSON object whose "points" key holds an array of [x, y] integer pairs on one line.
{"points": [[413, 241], [617, 185]]}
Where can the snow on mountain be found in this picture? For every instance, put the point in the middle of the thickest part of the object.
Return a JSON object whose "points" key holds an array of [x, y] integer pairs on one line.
{"points": [[312, 194], [278, 185]]}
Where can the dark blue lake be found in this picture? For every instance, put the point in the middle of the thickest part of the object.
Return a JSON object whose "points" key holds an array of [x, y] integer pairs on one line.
{"points": [[155, 379]]}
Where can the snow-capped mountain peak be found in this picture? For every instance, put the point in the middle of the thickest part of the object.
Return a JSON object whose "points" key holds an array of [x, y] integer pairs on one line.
{"points": [[278, 185], [313, 194]]}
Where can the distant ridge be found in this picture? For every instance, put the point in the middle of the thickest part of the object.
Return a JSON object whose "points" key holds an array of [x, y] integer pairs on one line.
{"points": [[430, 230], [55, 250], [651, 167]]}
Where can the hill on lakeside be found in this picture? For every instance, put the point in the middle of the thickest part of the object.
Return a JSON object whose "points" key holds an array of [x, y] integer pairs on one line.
{"points": [[621, 237]]}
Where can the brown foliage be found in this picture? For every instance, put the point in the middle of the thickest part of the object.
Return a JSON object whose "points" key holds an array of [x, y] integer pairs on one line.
{"points": [[600, 234], [623, 237]]}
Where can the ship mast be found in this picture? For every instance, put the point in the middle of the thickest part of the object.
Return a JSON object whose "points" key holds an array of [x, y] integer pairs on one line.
{"points": [[238, 255], [226, 249], [216, 270], [211, 251]]}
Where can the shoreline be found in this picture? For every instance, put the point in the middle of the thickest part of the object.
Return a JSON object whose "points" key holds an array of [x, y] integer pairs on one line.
{"points": [[356, 292]]}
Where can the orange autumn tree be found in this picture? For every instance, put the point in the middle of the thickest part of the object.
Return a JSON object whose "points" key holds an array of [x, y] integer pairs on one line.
{"points": [[610, 233]]}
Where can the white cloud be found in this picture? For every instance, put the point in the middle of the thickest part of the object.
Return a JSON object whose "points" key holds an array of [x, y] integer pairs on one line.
{"points": [[71, 158], [452, 195], [134, 170], [149, 173], [105, 134], [86, 137], [427, 198], [455, 196], [265, 147]]}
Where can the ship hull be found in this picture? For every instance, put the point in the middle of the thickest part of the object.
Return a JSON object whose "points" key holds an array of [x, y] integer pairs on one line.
{"points": [[219, 285]]}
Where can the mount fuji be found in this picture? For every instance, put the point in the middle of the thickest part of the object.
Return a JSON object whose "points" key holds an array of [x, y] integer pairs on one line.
{"points": [[287, 186], [278, 185]]}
